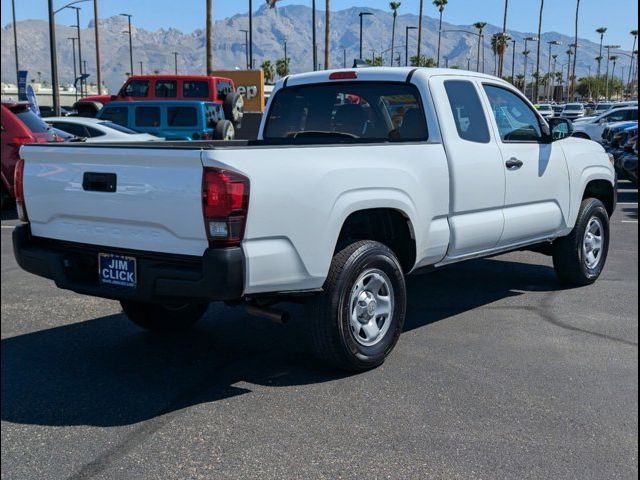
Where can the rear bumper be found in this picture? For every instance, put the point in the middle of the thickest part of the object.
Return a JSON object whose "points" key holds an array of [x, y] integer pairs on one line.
{"points": [[217, 275]]}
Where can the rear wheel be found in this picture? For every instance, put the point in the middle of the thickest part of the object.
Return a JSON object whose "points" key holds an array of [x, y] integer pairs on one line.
{"points": [[357, 320], [159, 317], [233, 107], [580, 257]]}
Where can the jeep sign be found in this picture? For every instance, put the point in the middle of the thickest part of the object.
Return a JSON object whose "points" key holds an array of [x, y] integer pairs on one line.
{"points": [[249, 84]]}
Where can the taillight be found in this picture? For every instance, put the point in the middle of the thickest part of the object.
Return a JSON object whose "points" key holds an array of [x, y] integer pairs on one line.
{"points": [[225, 204], [19, 141], [18, 189]]}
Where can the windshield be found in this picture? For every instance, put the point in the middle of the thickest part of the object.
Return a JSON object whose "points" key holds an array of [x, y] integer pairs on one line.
{"points": [[347, 112], [574, 106], [119, 128], [544, 108], [603, 107]]}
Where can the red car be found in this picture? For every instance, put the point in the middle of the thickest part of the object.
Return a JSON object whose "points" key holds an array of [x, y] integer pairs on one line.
{"points": [[170, 87], [19, 126]]}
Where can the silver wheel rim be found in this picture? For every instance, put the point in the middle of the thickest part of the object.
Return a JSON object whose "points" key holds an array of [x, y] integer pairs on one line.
{"points": [[593, 243], [371, 307]]}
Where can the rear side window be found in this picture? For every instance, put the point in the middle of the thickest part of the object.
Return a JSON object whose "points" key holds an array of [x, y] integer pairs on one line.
{"points": [[182, 116], [147, 116], [136, 88], [347, 112], [467, 110], [166, 89], [94, 132], [224, 89], [71, 128], [195, 89], [32, 121], [115, 114]]}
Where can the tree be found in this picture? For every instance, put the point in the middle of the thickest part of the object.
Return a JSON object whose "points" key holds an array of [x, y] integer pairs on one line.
{"points": [[499, 45], [519, 81], [394, 6], [601, 31], [634, 33], [480, 26], [282, 67], [209, 34], [424, 62], [376, 62], [536, 92], [587, 86], [419, 55], [327, 34], [269, 71], [440, 4]]}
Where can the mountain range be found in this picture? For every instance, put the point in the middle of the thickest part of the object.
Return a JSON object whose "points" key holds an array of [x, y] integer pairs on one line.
{"points": [[272, 28]]}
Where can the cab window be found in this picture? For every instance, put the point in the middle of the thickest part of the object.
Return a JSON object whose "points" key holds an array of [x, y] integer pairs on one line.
{"points": [[166, 89], [182, 117], [136, 88], [147, 117], [115, 114], [467, 111], [516, 121]]}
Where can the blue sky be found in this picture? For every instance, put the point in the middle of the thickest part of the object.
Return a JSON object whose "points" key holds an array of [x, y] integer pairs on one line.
{"points": [[620, 16]]}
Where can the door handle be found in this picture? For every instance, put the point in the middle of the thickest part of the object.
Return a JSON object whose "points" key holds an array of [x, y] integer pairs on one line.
{"points": [[514, 164]]}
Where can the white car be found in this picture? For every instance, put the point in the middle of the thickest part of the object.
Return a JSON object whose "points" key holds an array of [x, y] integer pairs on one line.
{"points": [[573, 111], [94, 130], [359, 178], [592, 129], [546, 110]]}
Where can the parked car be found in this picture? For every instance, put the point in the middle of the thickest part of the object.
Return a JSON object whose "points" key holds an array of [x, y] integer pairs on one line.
{"points": [[19, 126], [96, 130], [204, 88], [592, 129], [545, 110], [557, 109], [333, 206], [172, 120], [612, 129], [46, 111], [573, 111]]}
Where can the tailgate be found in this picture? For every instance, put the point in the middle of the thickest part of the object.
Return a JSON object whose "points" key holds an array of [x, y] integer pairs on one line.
{"points": [[155, 204]]}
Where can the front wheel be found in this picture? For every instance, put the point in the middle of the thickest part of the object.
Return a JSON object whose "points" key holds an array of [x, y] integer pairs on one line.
{"points": [[580, 257], [224, 131], [157, 317], [357, 320]]}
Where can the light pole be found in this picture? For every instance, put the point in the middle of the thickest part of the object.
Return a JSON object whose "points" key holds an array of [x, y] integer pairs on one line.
{"points": [[246, 49], [15, 37], [75, 72], [175, 63], [251, 61], [479, 35], [406, 47], [344, 54], [77, 25], [130, 39], [55, 93], [362, 15], [551, 44], [314, 39], [608, 47], [526, 61], [97, 36], [513, 62], [141, 72]]}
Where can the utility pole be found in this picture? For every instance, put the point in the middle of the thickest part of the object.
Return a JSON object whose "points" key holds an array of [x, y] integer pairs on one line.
{"points": [[77, 9], [55, 92], [75, 72], [141, 72], [175, 62], [246, 49], [406, 47], [362, 15], [251, 59], [97, 35], [314, 40], [130, 40], [15, 37]]}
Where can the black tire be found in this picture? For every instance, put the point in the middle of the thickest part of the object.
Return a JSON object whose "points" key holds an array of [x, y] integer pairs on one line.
{"points": [[233, 107], [582, 135], [334, 339], [224, 131], [569, 259], [157, 317]]}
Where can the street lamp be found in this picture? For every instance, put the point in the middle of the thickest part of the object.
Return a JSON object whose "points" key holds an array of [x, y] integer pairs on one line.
{"points": [[608, 47], [513, 62], [246, 48], [526, 61], [130, 40], [251, 61], [75, 72], [477, 34], [406, 47], [141, 72], [314, 39], [15, 36], [77, 25], [362, 15], [175, 62], [551, 44]]}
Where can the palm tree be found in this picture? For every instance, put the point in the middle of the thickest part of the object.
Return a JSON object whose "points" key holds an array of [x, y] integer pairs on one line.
{"points": [[282, 67], [209, 40], [601, 31], [536, 92], [499, 45], [419, 55], [394, 6], [614, 59], [480, 27], [269, 71], [635, 39], [575, 55], [440, 4], [504, 32], [327, 34], [519, 81]]}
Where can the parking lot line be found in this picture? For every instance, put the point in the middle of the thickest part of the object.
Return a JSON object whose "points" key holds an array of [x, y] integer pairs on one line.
{"points": [[629, 221], [9, 226]]}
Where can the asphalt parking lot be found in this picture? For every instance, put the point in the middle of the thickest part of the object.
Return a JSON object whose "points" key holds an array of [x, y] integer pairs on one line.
{"points": [[501, 373]]}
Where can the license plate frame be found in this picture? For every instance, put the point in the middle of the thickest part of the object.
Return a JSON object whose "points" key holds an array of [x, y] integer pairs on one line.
{"points": [[117, 270]]}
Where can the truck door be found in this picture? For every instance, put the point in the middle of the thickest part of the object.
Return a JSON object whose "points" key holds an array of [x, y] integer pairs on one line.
{"points": [[477, 175], [537, 186]]}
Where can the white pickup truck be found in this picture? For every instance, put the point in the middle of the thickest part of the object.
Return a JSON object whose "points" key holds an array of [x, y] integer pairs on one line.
{"points": [[359, 177]]}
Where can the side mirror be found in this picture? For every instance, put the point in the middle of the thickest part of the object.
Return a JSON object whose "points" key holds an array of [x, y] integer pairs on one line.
{"points": [[560, 128]]}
